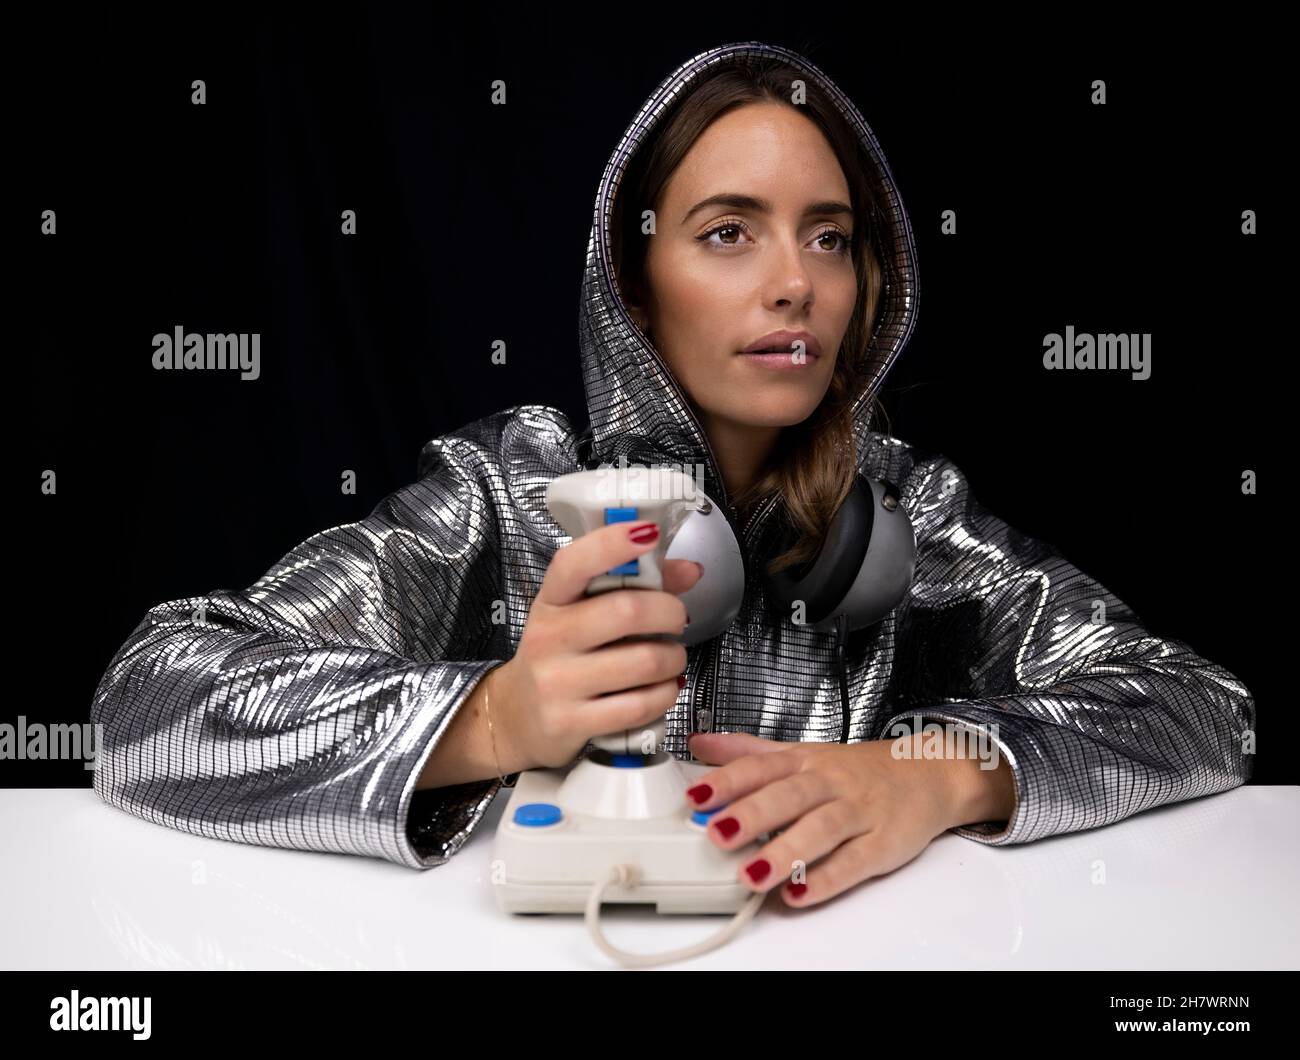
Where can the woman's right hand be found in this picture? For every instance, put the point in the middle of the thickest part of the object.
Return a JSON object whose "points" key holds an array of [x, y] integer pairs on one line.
{"points": [[568, 682]]}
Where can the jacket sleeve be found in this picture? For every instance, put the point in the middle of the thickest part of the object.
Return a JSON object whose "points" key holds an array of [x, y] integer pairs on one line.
{"points": [[1098, 717], [299, 712]]}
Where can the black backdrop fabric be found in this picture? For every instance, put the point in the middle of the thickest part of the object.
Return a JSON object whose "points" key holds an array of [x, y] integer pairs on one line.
{"points": [[472, 221]]}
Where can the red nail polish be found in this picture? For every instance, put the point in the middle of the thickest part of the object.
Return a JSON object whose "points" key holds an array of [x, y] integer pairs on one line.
{"points": [[701, 792], [728, 826], [757, 870], [681, 680], [797, 889], [644, 534]]}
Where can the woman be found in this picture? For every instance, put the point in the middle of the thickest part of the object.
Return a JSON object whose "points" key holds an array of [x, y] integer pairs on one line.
{"points": [[343, 701]]}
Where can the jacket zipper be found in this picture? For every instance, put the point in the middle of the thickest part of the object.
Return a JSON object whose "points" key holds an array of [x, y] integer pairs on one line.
{"points": [[706, 684]]}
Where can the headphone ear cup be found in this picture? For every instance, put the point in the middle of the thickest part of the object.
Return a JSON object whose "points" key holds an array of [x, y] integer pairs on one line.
{"points": [[714, 601], [890, 563], [820, 587]]}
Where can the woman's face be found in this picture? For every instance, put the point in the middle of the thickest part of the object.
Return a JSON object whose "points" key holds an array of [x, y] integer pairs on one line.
{"points": [[725, 275]]}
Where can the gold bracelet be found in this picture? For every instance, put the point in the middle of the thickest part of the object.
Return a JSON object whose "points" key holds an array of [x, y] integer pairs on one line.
{"points": [[492, 731]]}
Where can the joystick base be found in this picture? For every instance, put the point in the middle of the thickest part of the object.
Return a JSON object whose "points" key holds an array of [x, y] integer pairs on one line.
{"points": [[548, 855]]}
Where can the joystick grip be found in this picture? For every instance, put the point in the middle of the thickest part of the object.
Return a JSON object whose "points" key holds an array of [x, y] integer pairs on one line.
{"points": [[587, 500]]}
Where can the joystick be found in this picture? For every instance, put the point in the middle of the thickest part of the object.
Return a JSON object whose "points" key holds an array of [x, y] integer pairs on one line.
{"points": [[615, 826]]}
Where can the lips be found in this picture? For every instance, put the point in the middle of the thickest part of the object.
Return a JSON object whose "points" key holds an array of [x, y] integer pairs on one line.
{"points": [[784, 342]]}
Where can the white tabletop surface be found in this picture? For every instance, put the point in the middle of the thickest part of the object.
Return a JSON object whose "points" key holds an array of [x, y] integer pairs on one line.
{"points": [[1210, 883]]}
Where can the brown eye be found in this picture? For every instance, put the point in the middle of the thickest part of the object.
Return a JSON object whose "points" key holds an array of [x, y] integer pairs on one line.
{"points": [[726, 227], [845, 242]]}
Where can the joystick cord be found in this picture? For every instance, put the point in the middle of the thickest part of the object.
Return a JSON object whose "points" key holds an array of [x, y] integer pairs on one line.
{"points": [[629, 876]]}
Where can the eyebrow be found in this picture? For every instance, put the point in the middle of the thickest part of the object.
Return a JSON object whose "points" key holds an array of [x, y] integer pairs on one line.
{"points": [[752, 202]]}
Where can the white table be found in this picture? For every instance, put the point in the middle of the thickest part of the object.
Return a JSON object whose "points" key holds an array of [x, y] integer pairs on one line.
{"points": [[1210, 883]]}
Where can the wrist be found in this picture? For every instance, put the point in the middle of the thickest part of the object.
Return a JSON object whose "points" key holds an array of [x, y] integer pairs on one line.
{"points": [[977, 792], [508, 753]]}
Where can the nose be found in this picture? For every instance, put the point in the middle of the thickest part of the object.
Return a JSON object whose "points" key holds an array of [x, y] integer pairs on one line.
{"points": [[788, 282]]}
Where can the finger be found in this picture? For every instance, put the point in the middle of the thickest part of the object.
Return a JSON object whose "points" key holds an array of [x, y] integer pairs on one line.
{"points": [[681, 575], [817, 832], [719, 748], [631, 709], [630, 665], [868, 855], [607, 617], [746, 773], [598, 552], [769, 808]]}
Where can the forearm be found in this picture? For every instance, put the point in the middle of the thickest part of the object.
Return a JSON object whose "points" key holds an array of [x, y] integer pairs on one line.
{"points": [[465, 752]]}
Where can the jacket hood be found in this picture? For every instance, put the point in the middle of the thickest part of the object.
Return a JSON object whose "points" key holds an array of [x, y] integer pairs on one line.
{"points": [[636, 407]]}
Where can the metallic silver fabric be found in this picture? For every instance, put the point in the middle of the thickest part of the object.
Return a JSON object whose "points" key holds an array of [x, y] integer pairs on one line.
{"points": [[298, 712]]}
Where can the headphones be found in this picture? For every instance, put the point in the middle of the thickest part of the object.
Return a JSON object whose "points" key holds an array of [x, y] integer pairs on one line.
{"points": [[862, 571]]}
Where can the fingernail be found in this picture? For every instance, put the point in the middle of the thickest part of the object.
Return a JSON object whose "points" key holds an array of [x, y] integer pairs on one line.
{"points": [[728, 826], [796, 889], [699, 566], [701, 792], [757, 870], [644, 534], [681, 680]]}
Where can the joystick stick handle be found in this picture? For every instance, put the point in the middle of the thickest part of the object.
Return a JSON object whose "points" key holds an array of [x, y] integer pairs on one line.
{"points": [[587, 500]]}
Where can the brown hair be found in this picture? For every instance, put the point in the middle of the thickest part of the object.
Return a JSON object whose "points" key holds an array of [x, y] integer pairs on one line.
{"points": [[813, 467]]}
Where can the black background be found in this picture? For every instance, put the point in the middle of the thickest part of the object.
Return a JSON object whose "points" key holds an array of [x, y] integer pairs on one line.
{"points": [[473, 221]]}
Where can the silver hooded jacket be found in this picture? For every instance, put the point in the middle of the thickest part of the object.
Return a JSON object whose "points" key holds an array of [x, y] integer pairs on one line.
{"points": [[299, 712]]}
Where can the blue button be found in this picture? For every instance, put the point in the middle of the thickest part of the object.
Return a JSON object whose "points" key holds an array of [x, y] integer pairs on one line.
{"points": [[628, 761], [537, 814], [623, 515], [702, 816]]}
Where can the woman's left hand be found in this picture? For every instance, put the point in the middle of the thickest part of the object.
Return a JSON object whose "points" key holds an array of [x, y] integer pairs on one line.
{"points": [[856, 810]]}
